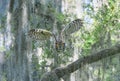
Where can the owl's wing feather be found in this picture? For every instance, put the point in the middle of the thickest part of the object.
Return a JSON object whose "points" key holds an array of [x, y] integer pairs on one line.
{"points": [[39, 34], [72, 27]]}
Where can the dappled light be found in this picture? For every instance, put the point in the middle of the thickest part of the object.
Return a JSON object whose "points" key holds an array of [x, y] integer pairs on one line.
{"points": [[60, 40], [8, 36]]}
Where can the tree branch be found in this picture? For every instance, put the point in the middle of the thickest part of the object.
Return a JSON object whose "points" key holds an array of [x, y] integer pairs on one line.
{"points": [[60, 72]]}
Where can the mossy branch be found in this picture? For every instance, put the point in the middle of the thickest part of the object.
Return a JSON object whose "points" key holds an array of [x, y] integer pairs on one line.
{"points": [[57, 73]]}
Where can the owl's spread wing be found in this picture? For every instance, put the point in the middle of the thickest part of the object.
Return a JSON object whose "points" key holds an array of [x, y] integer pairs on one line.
{"points": [[72, 27], [40, 34]]}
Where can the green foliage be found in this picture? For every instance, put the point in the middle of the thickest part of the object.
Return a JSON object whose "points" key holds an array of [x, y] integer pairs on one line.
{"points": [[3, 77], [46, 21], [2, 48], [60, 17], [105, 26], [105, 32], [105, 20]]}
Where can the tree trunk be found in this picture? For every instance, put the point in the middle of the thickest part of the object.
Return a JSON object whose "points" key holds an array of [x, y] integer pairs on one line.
{"points": [[22, 45], [17, 64]]}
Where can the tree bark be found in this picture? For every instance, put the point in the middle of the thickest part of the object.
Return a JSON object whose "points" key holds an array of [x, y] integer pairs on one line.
{"points": [[9, 42], [11, 6], [21, 67], [60, 72]]}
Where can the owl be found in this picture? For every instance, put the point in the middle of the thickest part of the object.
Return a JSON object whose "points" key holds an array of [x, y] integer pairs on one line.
{"points": [[42, 34]]}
